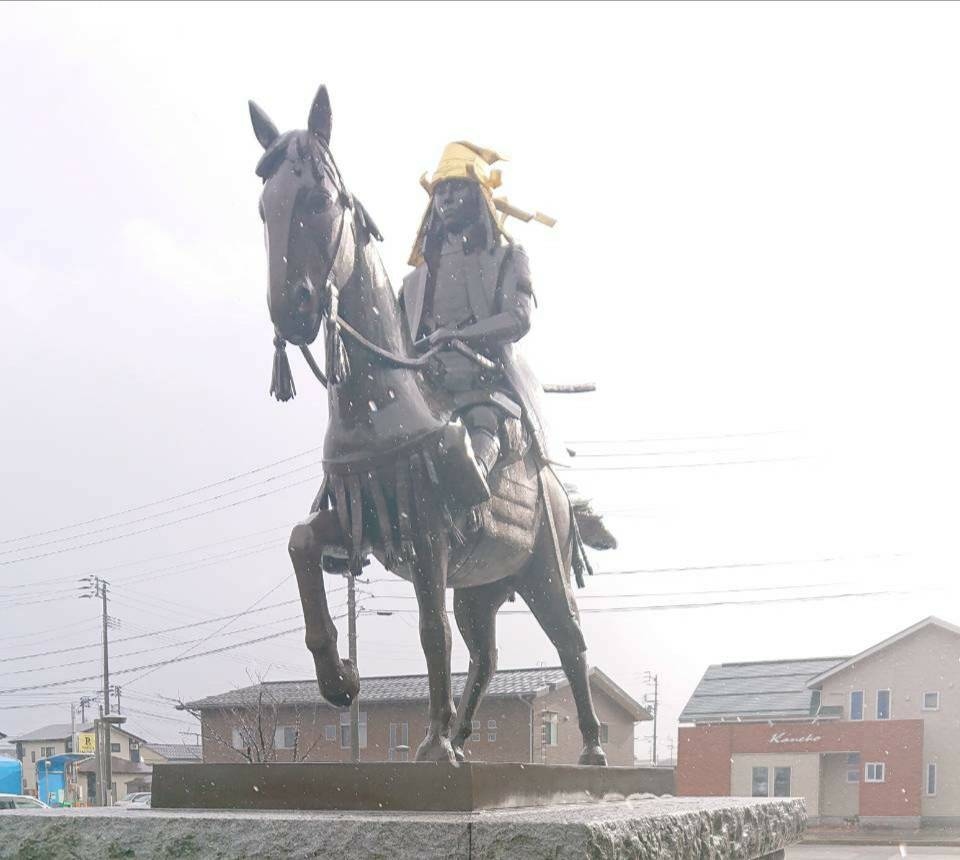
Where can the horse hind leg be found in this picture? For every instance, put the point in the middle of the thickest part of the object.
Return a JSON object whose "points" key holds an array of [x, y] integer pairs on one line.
{"points": [[476, 612], [547, 592], [338, 679]]}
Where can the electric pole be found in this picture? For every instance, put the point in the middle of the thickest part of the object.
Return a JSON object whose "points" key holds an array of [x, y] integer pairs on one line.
{"points": [[352, 638], [115, 689], [84, 702], [97, 588], [653, 678]]}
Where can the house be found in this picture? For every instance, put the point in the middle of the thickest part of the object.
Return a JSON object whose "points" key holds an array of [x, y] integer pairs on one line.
{"points": [[62, 738], [869, 737], [171, 753], [527, 715]]}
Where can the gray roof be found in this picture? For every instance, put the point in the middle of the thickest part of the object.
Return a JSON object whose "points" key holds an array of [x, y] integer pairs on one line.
{"points": [[61, 731], [392, 688], [178, 752], [744, 691], [53, 732]]}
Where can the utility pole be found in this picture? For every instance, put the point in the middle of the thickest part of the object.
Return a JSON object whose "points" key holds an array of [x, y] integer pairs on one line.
{"points": [[97, 588], [652, 677], [84, 702], [352, 638], [115, 689]]}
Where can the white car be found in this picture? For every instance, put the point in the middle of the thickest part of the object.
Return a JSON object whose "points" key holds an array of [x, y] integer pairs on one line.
{"points": [[135, 799], [20, 801]]}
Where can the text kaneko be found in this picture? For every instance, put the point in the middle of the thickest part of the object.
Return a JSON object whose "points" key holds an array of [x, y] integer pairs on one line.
{"points": [[784, 738]]}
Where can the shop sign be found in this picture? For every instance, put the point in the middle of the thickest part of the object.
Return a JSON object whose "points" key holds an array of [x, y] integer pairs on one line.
{"points": [[784, 738]]}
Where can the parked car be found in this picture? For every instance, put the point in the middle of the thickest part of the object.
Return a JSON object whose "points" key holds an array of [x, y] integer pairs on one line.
{"points": [[20, 801], [142, 801], [133, 799]]}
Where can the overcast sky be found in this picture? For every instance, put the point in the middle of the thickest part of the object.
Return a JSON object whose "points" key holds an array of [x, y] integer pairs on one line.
{"points": [[755, 259]]}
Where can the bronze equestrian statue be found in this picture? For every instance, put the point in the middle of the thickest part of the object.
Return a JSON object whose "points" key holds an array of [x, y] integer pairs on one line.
{"points": [[436, 457]]}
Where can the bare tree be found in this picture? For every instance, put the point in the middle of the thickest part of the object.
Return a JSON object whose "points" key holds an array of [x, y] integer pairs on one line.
{"points": [[256, 727]]}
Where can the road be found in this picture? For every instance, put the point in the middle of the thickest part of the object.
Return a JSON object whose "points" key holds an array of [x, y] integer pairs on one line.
{"points": [[868, 852]]}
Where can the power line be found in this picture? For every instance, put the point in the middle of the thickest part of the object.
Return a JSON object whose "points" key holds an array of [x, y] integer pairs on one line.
{"points": [[162, 663], [226, 624], [676, 438], [164, 500], [669, 606], [148, 559], [174, 644], [163, 525], [634, 468], [185, 507], [743, 564]]}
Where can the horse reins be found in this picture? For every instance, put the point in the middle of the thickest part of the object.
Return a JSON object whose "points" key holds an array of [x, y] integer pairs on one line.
{"points": [[340, 324]]}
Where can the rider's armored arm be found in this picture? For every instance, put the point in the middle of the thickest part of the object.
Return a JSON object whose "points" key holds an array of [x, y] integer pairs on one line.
{"points": [[512, 321]]}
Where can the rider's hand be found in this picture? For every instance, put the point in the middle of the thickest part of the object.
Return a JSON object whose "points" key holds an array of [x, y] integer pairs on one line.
{"points": [[441, 336]]}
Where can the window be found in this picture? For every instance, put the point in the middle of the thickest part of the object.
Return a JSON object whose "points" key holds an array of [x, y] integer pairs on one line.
{"points": [[491, 737], [853, 767], [931, 779], [874, 772], [931, 701], [492, 725], [604, 733], [285, 737], [33, 755], [475, 725], [345, 730], [329, 733], [883, 704], [760, 784], [399, 737], [47, 752], [239, 743], [781, 782], [550, 729], [856, 705], [815, 699]]}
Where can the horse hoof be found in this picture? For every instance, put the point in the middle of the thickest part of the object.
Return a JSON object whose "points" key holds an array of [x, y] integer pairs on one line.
{"points": [[343, 688], [458, 753], [593, 755], [439, 749]]}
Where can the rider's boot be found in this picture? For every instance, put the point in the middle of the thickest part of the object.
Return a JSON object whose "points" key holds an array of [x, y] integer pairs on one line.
{"points": [[464, 474]]}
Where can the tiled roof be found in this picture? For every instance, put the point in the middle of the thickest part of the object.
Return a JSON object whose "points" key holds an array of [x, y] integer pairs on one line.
{"points": [[178, 752], [392, 688], [744, 691], [53, 732]]}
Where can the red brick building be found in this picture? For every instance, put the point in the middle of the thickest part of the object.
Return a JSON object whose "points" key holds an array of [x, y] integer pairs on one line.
{"points": [[528, 715], [873, 736]]}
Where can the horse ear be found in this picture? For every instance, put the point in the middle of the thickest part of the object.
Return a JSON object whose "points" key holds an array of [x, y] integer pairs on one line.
{"points": [[263, 127], [320, 115]]}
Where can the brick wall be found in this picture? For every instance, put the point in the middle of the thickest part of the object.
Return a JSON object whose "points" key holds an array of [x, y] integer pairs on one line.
{"points": [[509, 741], [703, 766]]}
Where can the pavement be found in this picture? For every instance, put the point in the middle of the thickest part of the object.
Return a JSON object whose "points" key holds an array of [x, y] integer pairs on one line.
{"points": [[869, 852]]}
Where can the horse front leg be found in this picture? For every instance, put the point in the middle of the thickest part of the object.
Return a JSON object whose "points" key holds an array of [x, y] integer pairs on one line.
{"points": [[430, 582], [338, 679]]}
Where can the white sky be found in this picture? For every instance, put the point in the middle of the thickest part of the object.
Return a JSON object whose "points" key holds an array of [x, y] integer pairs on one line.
{"points": [[757, 231]]}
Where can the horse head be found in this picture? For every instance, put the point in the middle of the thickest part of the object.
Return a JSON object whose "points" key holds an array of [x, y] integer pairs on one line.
{"points": [[306, 211]]}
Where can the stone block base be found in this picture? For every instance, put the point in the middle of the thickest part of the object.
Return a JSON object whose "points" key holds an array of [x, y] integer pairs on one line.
{"points": [[396, 786], [716, 827]]}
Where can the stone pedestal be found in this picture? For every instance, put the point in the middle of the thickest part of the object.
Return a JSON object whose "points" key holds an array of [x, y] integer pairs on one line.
{"points": [[396, 786], [661, 828]]}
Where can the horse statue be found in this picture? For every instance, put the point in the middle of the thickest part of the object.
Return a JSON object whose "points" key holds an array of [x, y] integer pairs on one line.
{"points": [[394, 447]]}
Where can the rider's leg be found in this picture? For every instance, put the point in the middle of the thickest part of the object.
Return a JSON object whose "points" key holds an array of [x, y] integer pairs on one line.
{"points": [[483, 425]]}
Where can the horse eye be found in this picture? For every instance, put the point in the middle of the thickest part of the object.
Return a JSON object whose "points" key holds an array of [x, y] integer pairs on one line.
{"points": [[319, 201]]}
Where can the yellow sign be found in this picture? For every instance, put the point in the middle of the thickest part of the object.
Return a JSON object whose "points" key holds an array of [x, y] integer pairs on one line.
{"points": [[86, 742]]}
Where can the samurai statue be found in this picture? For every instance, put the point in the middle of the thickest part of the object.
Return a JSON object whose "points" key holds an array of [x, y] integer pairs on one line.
{"points": [[470, 287]]}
